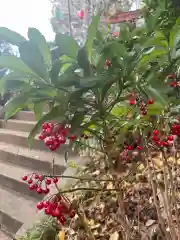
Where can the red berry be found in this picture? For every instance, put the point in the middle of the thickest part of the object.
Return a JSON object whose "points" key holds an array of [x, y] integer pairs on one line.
{"points": [[170, 138], [34, 186], [53, 147], [30, 181], [144, 113], [48, 181], [41, 178], [55, 180], [42, 136], [72, 214], [150, 101], [62, 139], [40, 205], [131, 101], [46, 191], [39, 190], [31, 187], [139, 148], [129, 148], [171, 76], [62, 219], [155, 138], [56, 212], [108, 63], [173, 84], [165, 144], [46, 204], [142, 108], [73, 137], [48, 211], [36, 176], [24, 178], [155, 132]]}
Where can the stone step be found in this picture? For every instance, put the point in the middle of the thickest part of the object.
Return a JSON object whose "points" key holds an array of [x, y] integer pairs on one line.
{"points": [[31, 159], [25, 115], [4, 236], [19, 138], [18, 125], [15, 211], [11, 180]]}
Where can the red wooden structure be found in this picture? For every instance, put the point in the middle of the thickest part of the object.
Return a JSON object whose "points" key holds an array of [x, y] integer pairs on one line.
{"points": [[123, 17]]}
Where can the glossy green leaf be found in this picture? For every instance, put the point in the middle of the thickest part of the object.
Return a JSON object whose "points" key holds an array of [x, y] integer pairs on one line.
{"points": [[83, 62], [68, 46], [54, 72], [124, 32], [56, 112], [37, 38], [174, 32], [155, 109], [31, 56], [92, 30], [16, 85], [15, 104], [16, 64], [10, 36]]}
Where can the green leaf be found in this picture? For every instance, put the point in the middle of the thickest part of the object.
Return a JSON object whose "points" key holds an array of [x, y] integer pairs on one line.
{"points": [[37, 38], [15, 104], [153, 55], [157, 96], [54, 73], [68, 46], [83, 62], [68, 80], [31, 55], [155, 109], [174, 32], [92, 30], [38, 110], [10, 36], [124, 32], [16, 64], [13, 76], [56, 112], [16, 85]]}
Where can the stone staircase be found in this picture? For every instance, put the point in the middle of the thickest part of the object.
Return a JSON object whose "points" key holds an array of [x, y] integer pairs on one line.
{"points": [[17, 202]]}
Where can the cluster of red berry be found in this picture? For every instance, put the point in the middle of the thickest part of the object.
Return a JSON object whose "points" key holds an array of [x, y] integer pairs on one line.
{"points": [[58, 207], [141, 104], [174, 83], [162, 142], [54, 135], [175, 129], [131, 148], [39, 183]]}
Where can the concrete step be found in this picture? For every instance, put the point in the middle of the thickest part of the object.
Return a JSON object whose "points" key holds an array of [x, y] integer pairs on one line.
{"points": [[11, 180], [25, 115], [15, 211], [19, 138], [31, 159], [18, 125], [4, 236]]}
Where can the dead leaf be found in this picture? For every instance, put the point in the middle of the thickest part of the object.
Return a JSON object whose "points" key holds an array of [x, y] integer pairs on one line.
{"points": [[150, 222], [61, 235], [114, 236], [110, 186], [91, 222]]}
